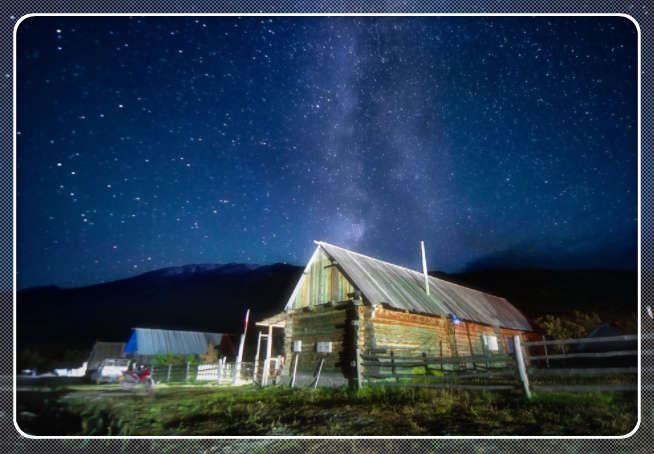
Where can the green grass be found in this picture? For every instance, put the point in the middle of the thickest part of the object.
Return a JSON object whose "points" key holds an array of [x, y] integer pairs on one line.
{"points": [[247, 410]]}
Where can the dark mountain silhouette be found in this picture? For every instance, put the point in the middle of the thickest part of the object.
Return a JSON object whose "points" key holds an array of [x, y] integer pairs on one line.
{"points": [[613, 294], [215, 298], [194, 297]]}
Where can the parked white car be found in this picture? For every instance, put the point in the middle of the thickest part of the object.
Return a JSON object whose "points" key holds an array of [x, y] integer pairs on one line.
{"points": [[109, 370]]}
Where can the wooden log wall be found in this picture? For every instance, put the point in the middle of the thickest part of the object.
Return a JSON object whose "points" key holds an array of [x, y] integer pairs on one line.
{"points": [[324, 323], [401, 329]]}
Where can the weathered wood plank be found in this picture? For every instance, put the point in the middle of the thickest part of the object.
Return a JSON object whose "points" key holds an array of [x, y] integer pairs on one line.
{"points": [[402, 364], [441, 377], [589, 371], [584, 388], [585, 355], [585, 340], [447, 360], [445, 386]]}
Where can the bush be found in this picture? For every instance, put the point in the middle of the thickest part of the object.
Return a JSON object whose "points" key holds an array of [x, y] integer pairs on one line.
{"points": [[576, 325], [169, 359]]}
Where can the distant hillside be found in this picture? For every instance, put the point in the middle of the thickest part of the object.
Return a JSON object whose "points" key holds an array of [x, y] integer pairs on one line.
{"points": [[196, 297], [215, 298]]}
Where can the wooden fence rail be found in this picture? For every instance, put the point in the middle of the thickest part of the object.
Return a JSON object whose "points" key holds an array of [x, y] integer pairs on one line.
{"points": [[408, 361], [443, 377], [589, 371], [389, 366], [450, 386], [525, 357], [583, 355], [584, 340], [584, 388]]}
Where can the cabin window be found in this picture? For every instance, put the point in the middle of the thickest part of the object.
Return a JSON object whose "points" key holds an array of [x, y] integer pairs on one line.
{"points": [[490, 342], [509, 343]]}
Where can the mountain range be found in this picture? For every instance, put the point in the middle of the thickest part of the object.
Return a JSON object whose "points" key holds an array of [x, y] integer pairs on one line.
{"points": [[215, 297], [205, 297]]}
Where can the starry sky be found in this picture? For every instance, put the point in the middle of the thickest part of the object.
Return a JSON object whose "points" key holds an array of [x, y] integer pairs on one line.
{"points": [[147, 142]]}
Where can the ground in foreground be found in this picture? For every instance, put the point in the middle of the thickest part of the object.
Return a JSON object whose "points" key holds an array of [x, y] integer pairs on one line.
{"points": [[281, 411]]}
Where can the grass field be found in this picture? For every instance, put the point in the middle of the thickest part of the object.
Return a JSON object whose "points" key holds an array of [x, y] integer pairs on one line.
{"points": [[281, 411]]}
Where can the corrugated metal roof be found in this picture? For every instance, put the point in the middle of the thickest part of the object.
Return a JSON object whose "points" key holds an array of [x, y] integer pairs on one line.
{"points": [[402, 288], [146, 341]]}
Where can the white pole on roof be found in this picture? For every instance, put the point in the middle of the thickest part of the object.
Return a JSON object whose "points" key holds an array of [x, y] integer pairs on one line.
{"points": [[424, 267]]}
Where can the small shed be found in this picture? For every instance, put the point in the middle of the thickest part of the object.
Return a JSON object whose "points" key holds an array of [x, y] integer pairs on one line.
{"points": [[147, 342], [358, 302], [104, 350]]}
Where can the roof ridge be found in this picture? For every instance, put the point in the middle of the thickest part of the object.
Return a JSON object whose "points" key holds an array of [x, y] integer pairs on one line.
{"points": [[413, 271], [369, 257], [180, 330]]}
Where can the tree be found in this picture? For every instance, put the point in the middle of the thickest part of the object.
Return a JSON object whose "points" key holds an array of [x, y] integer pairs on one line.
{"points": [[211, 356], [169, 359], [575, 325]]}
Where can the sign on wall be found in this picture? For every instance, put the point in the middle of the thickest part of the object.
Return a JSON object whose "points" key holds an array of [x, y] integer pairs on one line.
{"points": [[324, 347]]}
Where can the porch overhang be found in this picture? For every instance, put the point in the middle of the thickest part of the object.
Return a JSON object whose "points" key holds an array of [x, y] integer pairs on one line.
{"points": [[276, 321]]}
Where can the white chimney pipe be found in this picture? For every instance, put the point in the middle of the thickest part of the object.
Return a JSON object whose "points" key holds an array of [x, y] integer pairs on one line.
{"points": [[424, 266]]}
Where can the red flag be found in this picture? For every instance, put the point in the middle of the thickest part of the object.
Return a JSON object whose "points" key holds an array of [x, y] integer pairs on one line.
{"points": [[247, 316]]}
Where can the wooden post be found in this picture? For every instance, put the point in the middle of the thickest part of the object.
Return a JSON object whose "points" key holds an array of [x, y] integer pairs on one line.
{"points": [[220, 371], [441, 348], [547, 360], [278, 369], [424, 358], [256, 356], [522, 369], [170, 366], [296, 358], [359, 373], [266, 364], [397, 379], [322, 360], [188, 370], [484, 350]]}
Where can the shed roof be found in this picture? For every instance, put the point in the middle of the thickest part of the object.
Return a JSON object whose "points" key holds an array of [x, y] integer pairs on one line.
{"points": [[398, 287], [276, 321], [147, 341], [104, 350]]}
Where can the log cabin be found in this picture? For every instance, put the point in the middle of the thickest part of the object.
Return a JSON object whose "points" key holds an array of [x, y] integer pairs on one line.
{"points": [[358, 302]]}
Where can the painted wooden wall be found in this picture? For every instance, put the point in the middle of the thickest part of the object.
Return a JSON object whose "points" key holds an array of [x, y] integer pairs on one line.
{"points": [[322, 283], [401, 329]]}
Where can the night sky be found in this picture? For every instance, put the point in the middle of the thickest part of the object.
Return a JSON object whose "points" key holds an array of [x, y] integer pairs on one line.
{"points": [[148, 142]]}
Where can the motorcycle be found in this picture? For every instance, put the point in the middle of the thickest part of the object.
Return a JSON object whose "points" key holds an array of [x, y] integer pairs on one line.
{"points": [[131, 379]]}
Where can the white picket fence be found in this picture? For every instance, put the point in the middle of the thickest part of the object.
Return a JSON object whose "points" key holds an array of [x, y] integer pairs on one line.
{"points": [[221, 372]]}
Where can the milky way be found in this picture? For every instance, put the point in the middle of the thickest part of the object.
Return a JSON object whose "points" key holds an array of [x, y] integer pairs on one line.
{"points": [[146, 142]]}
